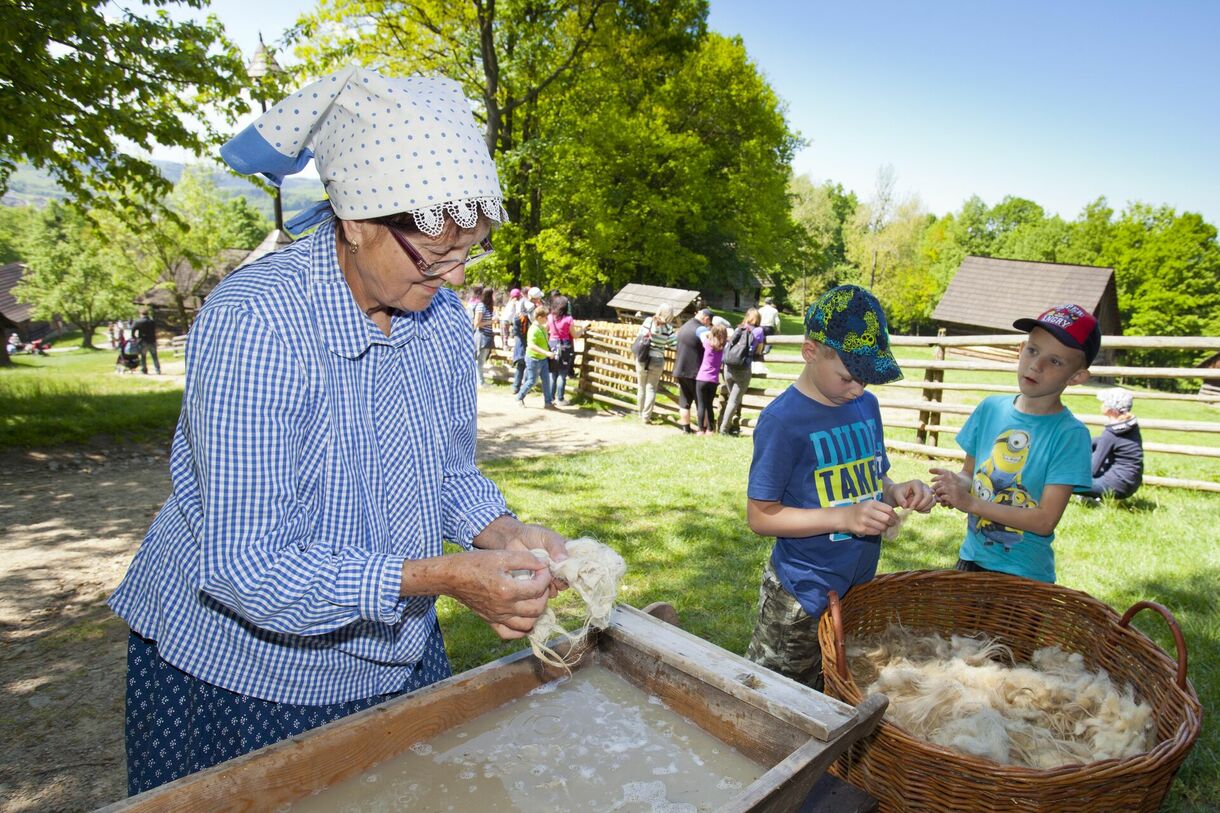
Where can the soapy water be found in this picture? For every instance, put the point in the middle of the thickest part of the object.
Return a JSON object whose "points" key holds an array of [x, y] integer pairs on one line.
{"points": [[591, 742]]}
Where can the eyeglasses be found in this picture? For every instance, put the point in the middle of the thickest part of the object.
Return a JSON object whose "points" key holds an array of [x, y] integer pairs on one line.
{"points": [[441, 267]]}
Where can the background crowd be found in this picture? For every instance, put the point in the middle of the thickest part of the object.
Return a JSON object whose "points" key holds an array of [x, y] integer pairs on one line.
{"points": [[536, 332]]}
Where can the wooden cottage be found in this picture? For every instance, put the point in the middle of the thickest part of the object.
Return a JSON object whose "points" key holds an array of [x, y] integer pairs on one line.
{"points": [[636, 302], [14, 315], [989, 293]]}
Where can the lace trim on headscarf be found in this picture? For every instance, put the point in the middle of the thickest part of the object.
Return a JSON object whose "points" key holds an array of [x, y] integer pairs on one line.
{"points": [[431, 221]]}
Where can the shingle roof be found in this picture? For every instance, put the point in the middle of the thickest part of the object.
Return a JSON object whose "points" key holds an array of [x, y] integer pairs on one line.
{"points": [[10, 275], [647, 298], [990, 293]]}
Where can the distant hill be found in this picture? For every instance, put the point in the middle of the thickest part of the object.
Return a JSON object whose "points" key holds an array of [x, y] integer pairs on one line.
{"points": [[29, 186]]}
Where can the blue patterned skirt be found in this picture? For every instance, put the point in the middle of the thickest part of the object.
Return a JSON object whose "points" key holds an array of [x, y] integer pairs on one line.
{"points": [[177, 725]]}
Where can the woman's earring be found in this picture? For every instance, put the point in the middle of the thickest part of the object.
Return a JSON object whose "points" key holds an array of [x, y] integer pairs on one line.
{"points": [[353, 247]]}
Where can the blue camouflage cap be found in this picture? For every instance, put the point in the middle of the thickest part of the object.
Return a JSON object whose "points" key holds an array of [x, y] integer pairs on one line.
{"points": [[850, 321]]}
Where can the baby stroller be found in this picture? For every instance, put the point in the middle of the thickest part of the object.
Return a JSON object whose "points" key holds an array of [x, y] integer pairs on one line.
{"points": [[129, 356]]}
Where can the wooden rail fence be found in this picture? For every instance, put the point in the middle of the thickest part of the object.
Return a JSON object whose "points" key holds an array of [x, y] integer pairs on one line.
{"points": [[606, 371]]}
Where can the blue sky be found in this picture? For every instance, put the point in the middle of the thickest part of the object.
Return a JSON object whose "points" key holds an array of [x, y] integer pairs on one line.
{"points": [[1059, 102]]}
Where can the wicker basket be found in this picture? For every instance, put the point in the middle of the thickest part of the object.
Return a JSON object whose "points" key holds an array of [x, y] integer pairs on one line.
{"points": [[906, 773]]}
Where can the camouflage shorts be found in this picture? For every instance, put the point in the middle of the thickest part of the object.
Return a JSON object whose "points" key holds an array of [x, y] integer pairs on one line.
{"points": [[785, 636]]}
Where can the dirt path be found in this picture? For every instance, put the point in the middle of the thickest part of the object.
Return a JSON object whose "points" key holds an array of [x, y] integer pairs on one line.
{"points": [[69, 525]]}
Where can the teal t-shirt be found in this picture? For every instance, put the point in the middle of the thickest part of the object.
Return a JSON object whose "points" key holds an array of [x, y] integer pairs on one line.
{"points": [[1015, 457]]}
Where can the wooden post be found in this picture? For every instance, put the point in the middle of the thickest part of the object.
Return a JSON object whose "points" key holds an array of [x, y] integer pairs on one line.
{"points": [[927, 417], [585, 385]]}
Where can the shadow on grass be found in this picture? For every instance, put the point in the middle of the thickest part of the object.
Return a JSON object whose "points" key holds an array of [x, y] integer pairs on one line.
{"points": [[1193, 603], [57, 419]]}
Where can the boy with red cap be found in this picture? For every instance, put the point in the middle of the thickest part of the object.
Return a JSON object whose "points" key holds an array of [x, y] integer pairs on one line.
{"points": [[1024, 455]]}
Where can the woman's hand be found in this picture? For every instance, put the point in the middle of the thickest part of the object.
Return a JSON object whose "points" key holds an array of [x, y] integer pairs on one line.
{"points": [[495, 585], [509, 533]]}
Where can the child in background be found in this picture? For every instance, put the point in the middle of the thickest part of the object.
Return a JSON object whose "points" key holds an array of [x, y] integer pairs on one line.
{"points": [[819, 480], [537, 353], [708, 377], [1118, 452], [1024, 455], [559, 333]]}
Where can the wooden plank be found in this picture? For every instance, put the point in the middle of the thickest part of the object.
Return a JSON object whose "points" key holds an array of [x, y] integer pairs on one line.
{"points": [[819, 715], [787, 785], [1174, 482], [301, 765], [1142, 395], [1107, 342]]}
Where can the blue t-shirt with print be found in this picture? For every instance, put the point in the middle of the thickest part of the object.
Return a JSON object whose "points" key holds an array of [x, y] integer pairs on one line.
{"points": [[810, 455], [1016, 455]]}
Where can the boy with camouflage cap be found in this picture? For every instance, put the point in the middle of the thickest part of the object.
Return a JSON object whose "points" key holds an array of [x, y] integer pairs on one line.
{"points": [[818, 480]]}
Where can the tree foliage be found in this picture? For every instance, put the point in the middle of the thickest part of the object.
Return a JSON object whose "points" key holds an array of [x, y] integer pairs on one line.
{"points": [[632, 145], [81, 82], [73, 272], [183, 252]]}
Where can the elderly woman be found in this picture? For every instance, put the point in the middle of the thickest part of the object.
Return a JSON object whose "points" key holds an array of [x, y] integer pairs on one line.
{"points": [[660, 330], [290, 578]]}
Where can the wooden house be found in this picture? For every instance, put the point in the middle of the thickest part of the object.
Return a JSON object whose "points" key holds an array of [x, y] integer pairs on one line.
{"points": [[14, 315], [989, 293], [636, 302]]}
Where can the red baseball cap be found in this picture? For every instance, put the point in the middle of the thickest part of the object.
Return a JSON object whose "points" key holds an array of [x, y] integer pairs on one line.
{"points": [[1070, 324]]}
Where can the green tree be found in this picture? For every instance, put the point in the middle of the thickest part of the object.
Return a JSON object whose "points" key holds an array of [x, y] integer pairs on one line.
{"points": [[73, 272], [15, 222], [823, 211], [182, 251], [1167, 270], [669, 171], [241, 225], [632, 145], [510, 57], [82, 81]]}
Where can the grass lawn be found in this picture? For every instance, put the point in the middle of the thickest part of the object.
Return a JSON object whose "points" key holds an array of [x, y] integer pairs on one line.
{"points": [[73, 396]]}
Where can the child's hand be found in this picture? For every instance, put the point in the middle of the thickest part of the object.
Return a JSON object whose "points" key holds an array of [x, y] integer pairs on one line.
{"points": [[913, 494], [869, 518], [952, 488]]}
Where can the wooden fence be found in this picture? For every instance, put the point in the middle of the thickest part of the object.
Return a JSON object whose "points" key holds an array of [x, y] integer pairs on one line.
{"points": [[607, 374]]}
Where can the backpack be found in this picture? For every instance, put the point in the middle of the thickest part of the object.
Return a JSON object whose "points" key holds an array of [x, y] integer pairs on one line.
{"points": [[737, 352], [641, 348]]}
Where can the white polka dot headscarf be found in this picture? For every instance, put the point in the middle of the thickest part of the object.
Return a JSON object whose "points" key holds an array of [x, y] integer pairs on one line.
{"points": [[381, 145]]}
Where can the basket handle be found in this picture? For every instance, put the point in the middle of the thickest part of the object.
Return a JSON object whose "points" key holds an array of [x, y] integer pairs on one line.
{"points": [[836, 617], [1178, 639]]}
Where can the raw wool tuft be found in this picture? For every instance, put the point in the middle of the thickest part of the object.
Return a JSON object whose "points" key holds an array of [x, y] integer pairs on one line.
{"points": [[891, 533], [593, 572], [966, 693]]}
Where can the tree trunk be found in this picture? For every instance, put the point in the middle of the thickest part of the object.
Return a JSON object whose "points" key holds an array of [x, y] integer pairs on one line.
{"points": [[5, 361], [86, 330], [180, 306]]}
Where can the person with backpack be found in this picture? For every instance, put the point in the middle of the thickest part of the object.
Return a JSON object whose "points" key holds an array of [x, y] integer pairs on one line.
{"points": [[659, 331], [738, 361]]}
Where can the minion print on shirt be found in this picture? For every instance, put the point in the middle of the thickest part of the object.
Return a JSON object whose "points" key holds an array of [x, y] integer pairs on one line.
{"points": [[848, 465], [998, 480]]}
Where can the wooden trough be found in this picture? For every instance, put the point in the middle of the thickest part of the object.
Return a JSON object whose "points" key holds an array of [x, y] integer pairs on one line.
{"points": [[788, 728]]}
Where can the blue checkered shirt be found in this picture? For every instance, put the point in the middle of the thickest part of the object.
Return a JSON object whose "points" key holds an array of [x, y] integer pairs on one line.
{"points": [[313, 456]]}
